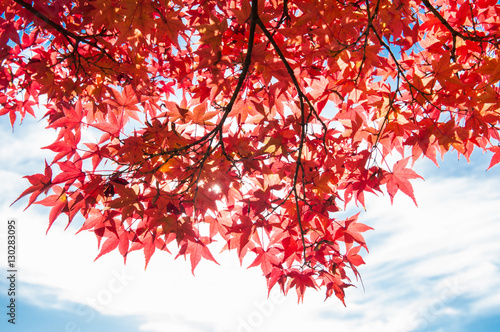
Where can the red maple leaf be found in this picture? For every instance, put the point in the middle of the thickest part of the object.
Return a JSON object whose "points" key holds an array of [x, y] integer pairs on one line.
{"points": [[398, 180], [301, 280], [495, 159], [196, 248], [58, 202], [266, 259], [40, 183], [126, 101]]}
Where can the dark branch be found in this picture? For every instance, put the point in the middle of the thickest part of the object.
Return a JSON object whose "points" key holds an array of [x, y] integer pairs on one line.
{"points": [[454, 32], [229, 106], [67, 34], [70, 36], [303, 125]]}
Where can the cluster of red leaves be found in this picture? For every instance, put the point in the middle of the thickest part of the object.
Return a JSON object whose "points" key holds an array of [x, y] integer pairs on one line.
{"points": [[259, 119]]}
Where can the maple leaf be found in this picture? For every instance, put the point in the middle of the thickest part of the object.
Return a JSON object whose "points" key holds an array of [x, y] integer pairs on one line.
{"points": [[333, 284], [65, 146], [301, 280], [40, 183], [353, 257], [351, 230], [109, 245], [399, 178], [196, 248], [71, 171], [113, 125], [266, 259], [496, 157], [71, 117], [277, 275], [241, 234], [290, 247], [58, 202], [200, 115]]}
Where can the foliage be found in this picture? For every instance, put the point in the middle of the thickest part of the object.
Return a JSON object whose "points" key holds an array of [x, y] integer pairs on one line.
{"points": [[248, 122]]}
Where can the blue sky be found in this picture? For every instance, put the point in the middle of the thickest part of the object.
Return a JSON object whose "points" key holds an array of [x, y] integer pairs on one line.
{"points": [[431, 268]]}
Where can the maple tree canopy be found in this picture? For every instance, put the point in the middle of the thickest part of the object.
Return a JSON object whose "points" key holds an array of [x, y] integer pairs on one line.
{"points": [[249, 122]]}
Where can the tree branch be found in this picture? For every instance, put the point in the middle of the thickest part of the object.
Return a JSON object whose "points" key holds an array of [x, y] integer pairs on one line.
{"points": [[303, 125], [454, 32], [67, 34]]}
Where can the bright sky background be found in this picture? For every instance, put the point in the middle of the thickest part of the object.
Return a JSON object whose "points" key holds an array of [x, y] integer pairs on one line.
{"points": [[431, 268]]}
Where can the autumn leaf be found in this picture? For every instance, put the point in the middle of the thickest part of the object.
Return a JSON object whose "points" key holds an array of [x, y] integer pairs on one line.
{"points": [[350, 231], [399, 178], [301, 280], [200, 115], [196, 248], [125, 101], [58, 203], [40, 183], [109, 245], [496, 157], [266, 259]]}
